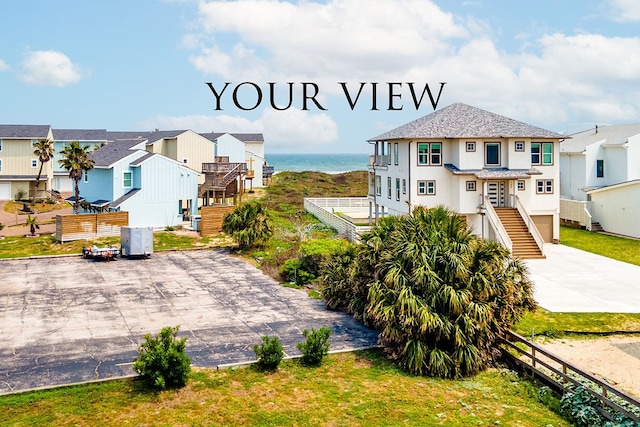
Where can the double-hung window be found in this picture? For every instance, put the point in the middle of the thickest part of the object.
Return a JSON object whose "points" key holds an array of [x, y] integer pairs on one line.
{"points": [[389, 187], [395, 153], [127, 179], [397, 188], [429, 153], [389, 153], [542, 153], [378, 185], [34, 163]]}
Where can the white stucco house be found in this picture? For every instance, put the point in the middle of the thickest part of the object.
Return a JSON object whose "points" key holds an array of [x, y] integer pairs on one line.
{"points": [[600, 177], [494, 170]]}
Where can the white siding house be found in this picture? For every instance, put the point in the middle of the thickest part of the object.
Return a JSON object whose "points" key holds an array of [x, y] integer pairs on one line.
{"points": [[242, 147], [473, 162], [600, 169]]}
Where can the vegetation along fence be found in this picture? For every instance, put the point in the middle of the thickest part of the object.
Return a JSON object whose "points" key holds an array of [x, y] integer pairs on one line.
{"points": [[326, 210], [211, 218], [90, 226], [558, 373]]}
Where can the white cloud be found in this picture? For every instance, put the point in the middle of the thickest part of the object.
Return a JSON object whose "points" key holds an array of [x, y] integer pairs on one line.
{"points": [[549, 81], [3, 66], [51, 68], [625, 10], [341, 39], [283, 130]]}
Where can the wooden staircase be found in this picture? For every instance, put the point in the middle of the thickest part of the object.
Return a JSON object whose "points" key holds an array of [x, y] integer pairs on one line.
{"points": [[524, 245]]}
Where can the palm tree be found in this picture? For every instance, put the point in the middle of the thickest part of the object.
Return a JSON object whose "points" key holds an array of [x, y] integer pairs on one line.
{"points": [[44, 150], [248, 224], [33, 224], [76, 160], [440, 296]]}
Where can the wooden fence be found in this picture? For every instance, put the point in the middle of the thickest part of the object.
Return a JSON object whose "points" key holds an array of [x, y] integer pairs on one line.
{"points": [[90, 226], [557, 373], [211, 218]]}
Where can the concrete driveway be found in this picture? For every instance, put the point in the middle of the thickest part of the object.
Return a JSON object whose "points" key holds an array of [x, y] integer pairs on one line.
{"points": [[571, 280], [67, 320]]}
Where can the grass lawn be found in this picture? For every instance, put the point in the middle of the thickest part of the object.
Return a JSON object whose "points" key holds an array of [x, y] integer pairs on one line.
{"points": [[620, 248], [549, 324], [349, 389]]}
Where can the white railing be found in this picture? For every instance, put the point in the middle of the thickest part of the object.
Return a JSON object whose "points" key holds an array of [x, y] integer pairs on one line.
{"points": [[501, 232], [376, 160], [576, 211], [531, 226], [324, 210]]}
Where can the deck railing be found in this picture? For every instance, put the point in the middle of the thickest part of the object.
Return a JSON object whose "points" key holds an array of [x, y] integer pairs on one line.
{"points": [[557, 372], [494, 221], [324, 210], [576, 211]]}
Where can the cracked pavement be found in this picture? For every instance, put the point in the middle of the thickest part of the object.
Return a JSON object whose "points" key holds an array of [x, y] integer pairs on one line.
{"points": [[68, 320]]}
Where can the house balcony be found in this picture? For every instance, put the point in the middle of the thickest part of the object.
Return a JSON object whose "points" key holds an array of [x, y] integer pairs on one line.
{"points": [[376, 161], [267, 171], [223, 168]]}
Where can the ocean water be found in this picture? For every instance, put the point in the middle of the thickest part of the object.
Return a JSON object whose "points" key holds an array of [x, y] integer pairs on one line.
{"points": [[329, 163]]}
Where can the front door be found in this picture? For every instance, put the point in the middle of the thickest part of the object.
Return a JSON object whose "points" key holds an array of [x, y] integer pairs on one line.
{"points": [[496, 190]]}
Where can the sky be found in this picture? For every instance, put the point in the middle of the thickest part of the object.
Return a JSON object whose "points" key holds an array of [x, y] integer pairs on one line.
{"points": [[563, 65]]}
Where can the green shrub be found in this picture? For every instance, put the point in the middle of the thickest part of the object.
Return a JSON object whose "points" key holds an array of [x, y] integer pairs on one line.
{"points": [[162, 360], [315, 347], [269, 353], [293, 272]]}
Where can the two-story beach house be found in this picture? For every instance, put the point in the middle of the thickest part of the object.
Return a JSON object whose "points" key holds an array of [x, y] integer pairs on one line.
{"points": [[18, 165], [600, 179], [90, 138], [501, 174], [156, 191]]}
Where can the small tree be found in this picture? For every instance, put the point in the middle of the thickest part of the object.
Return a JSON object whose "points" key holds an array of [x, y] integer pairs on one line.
{"points": [[44, 150], [77, 161], [33, 224], [315, 347], [248, 224], [269, 353], [162, 360]]}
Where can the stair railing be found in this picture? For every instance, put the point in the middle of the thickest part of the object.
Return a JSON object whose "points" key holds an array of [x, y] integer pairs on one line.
{"points": [[494, 220], [531, 226]]}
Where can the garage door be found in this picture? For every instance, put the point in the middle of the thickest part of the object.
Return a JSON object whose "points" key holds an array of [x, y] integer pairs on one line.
{"points": [[5, 190], [544, 224]]}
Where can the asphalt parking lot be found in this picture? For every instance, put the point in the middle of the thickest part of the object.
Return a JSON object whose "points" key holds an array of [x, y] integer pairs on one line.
{"points": [[68, 320]]}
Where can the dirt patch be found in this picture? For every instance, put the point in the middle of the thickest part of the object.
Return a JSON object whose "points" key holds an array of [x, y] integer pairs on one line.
{"points": [[616, 359]]}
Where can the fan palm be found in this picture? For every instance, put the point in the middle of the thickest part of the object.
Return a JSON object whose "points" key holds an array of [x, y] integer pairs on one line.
{"points": [[248, 224], [44, 150], [439, 295], [76, 160]]}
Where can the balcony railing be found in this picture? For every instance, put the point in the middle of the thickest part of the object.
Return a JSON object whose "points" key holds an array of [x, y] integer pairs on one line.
{"points": [[267, 171], [375, 160], [223, 167]]}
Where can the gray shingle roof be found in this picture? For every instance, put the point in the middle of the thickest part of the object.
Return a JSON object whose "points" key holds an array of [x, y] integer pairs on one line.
{"points": [[244, 137], [612, 134], [116, 203], [248, 137], [79, 134], [114, 151], [24, 131], [464, 121], [117, 135]]}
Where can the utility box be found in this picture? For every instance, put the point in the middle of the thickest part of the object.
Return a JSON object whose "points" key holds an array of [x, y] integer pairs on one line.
{"points": [[136, 241]]}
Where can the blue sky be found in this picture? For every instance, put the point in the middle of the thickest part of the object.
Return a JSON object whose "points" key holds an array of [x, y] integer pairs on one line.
{"points": [[143, 64]]}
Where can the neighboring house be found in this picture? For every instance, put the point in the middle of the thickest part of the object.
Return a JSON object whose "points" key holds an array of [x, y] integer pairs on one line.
{"points": [[599, 177], [482, 165], [243, 147], [18, 165], [156, 191], [63, 137]]}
